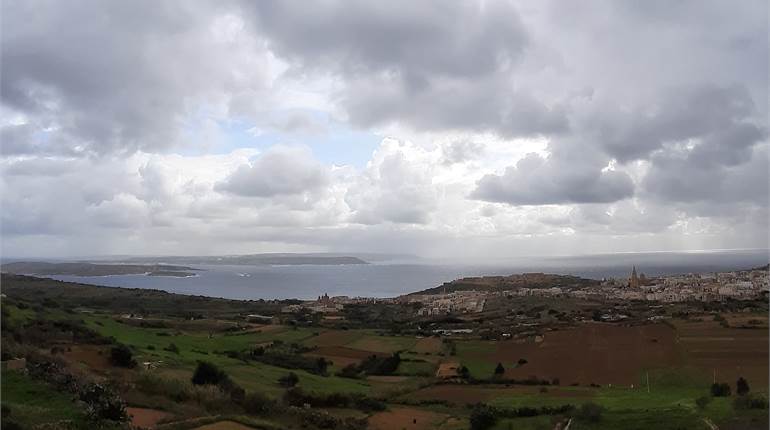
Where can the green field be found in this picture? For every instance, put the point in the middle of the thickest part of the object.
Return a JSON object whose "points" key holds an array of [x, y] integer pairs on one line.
{"points": [[32, 402]]}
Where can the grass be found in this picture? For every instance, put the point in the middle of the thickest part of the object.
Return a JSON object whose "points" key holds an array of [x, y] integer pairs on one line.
{"points": [[195, 346], [542, 422], [32, 402], [17, 315], [384, 344], [471, 354], [663, 419], [416, 368]]}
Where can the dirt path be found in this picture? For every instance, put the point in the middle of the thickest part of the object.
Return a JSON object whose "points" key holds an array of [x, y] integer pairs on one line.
{"points": [[146, 418], [709, 423]]}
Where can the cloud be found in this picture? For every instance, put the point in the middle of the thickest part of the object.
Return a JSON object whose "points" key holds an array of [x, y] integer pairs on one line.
{"points": [[412, 64], [554, 180], [121, 211], [396, 186], [721, 117], [130, 125], [115, 78], [281, 170]]}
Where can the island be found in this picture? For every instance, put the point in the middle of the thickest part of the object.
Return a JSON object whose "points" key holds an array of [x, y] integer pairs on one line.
{"points": [[95, 269]]}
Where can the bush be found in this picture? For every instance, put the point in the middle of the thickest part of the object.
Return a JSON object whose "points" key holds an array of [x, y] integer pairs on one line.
{"points": [[103, 404], [207, 373], [258, 404], [121, 355], [499, 370], [289, 380], [750, 402], [172, 348], [482, 417], [720, 389], [175, 389], [741, 387], [349, 371], [590, 412], [702, 402]]}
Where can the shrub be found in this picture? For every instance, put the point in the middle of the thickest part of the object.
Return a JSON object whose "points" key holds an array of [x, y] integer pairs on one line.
{"points": [[741, 387], [720, 389], [207, 373], [702, 401], [257, 404], [464, 372], [172, 348], [499, 370], [750, 402], [121, 355], [102, 403], [289, 380], [590, 412], [482, 417], [175, 389], [349, 371]]}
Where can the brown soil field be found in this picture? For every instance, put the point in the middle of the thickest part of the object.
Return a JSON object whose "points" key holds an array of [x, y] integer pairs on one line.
{"points": [[89, 355], [448, 370], [747, 320], [406, 418], [224, 425], [428, 344], [146, 418], [464, 394], [333, 338], [340, 355], [731, 352], [387, 378], [382, 345], [592, 353]]}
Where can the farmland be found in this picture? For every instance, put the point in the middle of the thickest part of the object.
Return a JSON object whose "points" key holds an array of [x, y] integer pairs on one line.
{"points": [[636, 373]]}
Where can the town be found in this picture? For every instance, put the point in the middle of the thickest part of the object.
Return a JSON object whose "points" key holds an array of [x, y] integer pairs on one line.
{"points": [[691, 287]]}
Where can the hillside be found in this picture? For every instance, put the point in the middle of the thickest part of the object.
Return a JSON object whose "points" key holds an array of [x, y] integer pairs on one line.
{"points": [[91, 269], [502, 283], [255, 259]]}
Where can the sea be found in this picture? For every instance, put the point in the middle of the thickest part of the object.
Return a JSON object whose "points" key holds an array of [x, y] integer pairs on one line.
{"points": [[397, 277]]}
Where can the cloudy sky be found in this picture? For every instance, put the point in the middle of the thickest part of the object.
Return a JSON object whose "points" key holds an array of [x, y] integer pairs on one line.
{"points": [[445, 129]]}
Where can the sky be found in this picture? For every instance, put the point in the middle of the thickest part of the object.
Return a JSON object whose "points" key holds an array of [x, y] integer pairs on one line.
{"points": [[461, 130]]}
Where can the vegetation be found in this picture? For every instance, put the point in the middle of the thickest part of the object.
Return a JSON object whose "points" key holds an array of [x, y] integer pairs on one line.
{"points": [[741, 387], [720, 389], [208, 373], [221, 367]]}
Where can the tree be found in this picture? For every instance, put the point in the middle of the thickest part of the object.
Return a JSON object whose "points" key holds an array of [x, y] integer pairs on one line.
{"points": [[720, 389], [482, 417], [121, 355], [102, 403], [321, 365], [499, 370], [289, 380], [208, 373], [464, 372], [742, 386]]}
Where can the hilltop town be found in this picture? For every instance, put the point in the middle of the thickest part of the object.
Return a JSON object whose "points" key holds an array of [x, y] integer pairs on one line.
{"points": [[470, 295]]}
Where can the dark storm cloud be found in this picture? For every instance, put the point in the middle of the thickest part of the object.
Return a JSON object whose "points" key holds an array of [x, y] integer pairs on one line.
{"points": [[109, 76], [539, 181], [680, 177], [418, 41], [431, 65], [720, 116]]}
